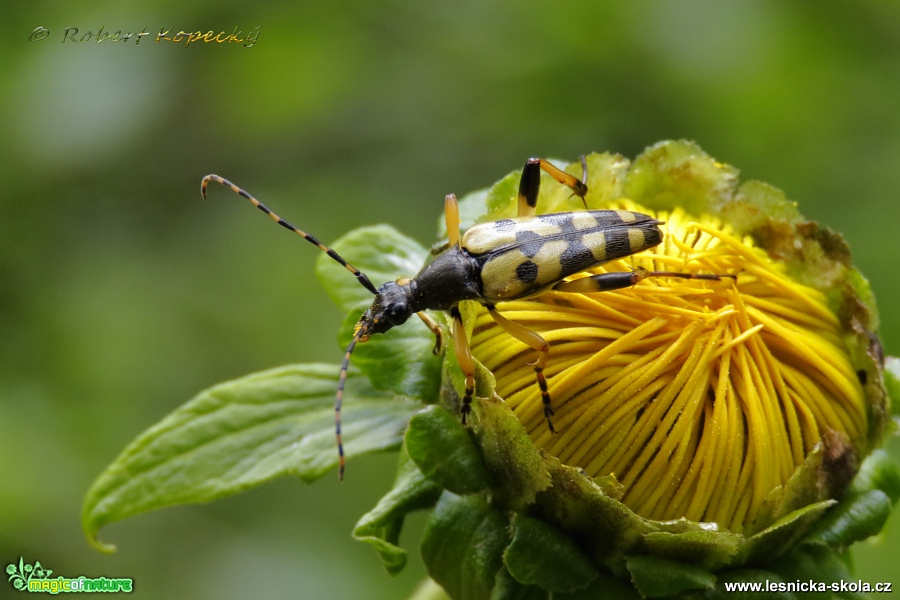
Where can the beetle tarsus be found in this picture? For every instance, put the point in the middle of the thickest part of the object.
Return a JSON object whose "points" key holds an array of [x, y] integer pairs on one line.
{"points": [[548, 414]]}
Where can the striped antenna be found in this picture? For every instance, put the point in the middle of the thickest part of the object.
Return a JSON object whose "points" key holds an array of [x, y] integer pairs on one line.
{"points": [[339, 400], [360, 276]]}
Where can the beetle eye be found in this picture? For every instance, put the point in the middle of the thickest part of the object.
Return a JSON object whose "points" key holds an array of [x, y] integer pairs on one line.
{"points": [[397, 313]]}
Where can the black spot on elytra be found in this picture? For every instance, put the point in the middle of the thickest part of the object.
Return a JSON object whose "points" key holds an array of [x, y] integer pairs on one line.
{"points": [[527, 272], [576, 257], [618, 244], [529, 243], [504, 224]]}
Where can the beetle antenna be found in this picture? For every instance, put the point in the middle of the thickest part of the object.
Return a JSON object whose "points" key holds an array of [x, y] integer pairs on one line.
{"points": [[339, 400], [360, 276]]}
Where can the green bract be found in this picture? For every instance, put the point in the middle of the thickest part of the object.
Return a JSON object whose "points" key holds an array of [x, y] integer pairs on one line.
{"points": [[509, 520]]}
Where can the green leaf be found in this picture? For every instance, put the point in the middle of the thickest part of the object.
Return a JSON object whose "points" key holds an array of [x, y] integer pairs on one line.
{"points": [[381, 526], [463, 546], [857, 517], [507, 588], [542, 555], [505, 442], [381, 252], [240, 434], [401, 360], [606, 174], [679, 173], [820, 564], [892, 382], [604, 587], [502, 198], [879, 472], [445, 452], [781, 537], [750, 578], [711, 550], [658, 577]]}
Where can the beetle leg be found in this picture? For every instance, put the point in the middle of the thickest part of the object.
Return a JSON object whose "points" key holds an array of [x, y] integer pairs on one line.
{"points": [[530, 183], [451, 216], [435, 329], [464, 357], [604, 282], [533, 340]]}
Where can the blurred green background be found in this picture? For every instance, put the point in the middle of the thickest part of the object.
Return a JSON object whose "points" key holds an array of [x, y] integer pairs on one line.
{"points": [[122, 293]]}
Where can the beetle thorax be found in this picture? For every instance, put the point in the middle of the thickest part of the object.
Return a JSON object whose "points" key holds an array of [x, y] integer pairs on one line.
{"points": [[451, 277]]}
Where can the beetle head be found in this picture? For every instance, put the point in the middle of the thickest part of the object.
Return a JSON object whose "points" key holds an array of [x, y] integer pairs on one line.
{"points": [[393, 305]]}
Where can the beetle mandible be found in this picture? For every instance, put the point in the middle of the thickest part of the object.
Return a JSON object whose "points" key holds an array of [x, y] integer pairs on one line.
{"points": [[495, 262]]}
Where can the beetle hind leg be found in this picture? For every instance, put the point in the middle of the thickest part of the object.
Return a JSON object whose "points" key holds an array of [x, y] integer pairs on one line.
{"points": [[533, 340], [617, 280], [530, 183]]}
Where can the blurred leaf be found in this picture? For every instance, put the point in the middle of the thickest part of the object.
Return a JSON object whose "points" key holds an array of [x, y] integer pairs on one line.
{"points": [[381, 526], [240, 434]]}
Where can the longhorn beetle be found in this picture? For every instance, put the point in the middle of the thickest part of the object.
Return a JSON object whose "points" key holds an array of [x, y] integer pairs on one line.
{"points": [[497, 262]]}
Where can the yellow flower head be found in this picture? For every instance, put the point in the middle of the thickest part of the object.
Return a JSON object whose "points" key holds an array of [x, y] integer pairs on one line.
{"points": [[699, 397]]}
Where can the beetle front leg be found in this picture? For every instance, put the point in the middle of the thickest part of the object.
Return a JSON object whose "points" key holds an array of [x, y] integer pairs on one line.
{"points": [[533, 340], [435, 329], [464, 357]]}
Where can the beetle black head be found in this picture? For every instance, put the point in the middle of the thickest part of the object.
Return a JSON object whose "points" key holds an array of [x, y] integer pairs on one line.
{"points": [[393, 305]]}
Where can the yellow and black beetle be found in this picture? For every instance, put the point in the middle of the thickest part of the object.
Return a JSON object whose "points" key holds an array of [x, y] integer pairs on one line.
{"points": [[499, 261]]}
